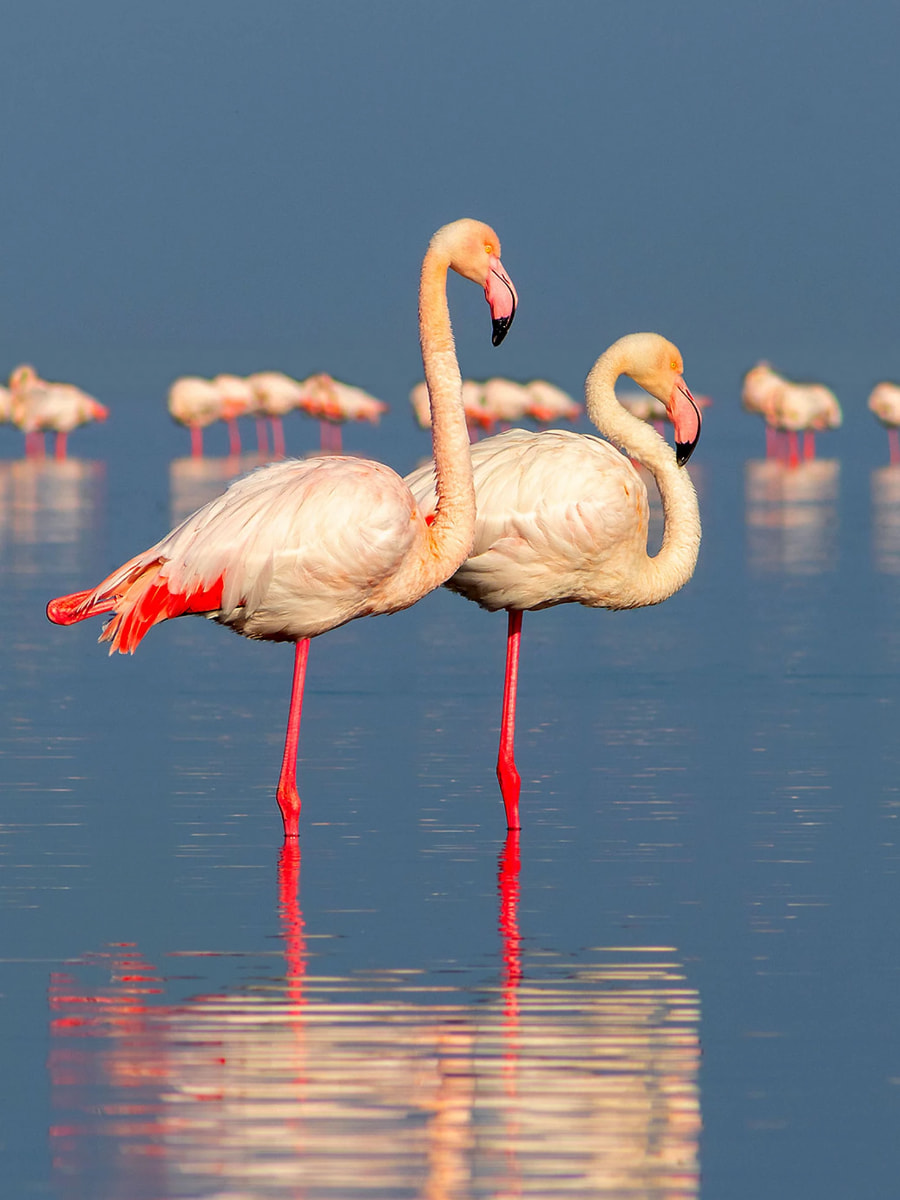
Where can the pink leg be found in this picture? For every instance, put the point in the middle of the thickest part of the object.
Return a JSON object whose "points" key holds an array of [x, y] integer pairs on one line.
{"points": [[894, 445], [337, 441], [262, 437], [507, 775], [809, 445], [793, 449], [234, 436], [196, 441], [277, 437], [771, 442], [61, 440], [287, 795]]}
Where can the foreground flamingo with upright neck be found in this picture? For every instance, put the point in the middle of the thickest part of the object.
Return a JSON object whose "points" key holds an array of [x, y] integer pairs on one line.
{"points": [[300, 547], [563, 517]]}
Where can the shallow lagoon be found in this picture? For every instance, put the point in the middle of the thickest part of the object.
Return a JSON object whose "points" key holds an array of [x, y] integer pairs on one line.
{"points": [[680, 982]]}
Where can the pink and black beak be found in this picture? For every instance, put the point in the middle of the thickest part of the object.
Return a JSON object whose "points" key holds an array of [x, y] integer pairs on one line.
{"points": [[686, 420], [501, 296]]}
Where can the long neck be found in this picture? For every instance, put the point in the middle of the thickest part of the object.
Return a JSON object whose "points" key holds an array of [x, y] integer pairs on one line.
{"points": [[673, 566], [453, 530]]}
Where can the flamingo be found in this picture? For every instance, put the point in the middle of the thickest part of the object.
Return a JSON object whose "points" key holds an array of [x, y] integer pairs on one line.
{"points": [[548, 403], [276, 394], [562, 517], [236, 399], [884, 402], [300, 547], [196, 403], [333, 403], [505, 401], [38, 406]]}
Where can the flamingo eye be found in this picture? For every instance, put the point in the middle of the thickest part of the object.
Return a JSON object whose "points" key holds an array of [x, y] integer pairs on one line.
{"points": [[489, 247], [674, 364]]}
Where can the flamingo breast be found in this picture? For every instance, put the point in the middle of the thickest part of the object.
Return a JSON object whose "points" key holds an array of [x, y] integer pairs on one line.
{"points": [[560, 517]]}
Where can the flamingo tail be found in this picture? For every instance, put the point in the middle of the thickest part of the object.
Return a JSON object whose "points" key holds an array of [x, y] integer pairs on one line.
{"points": [[138, 598]]}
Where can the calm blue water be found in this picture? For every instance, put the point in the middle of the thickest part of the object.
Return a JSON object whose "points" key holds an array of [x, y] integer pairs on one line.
{"points": [[681, 982]]}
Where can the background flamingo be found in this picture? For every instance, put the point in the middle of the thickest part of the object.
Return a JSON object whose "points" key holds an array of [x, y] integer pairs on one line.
{"points": [[884, 402], [195, 403], [276, 394], [563, 517], [300, 547], [334, 403], [549, 403], [236, 399], [38, 407]]}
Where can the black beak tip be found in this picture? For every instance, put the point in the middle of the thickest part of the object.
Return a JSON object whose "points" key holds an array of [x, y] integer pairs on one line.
{"points": [[683, 451], [500, 327]]}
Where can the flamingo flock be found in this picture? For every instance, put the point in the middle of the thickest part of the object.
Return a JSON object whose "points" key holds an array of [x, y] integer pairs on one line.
{"points": [[269, 396], [501, 402]]}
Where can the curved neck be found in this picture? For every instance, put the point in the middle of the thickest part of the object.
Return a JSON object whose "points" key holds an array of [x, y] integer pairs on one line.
{"points": [[453, 531], [673, 566]]}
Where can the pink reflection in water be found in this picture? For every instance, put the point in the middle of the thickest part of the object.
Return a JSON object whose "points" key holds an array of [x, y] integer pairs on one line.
{"points": [[580, 1084]]}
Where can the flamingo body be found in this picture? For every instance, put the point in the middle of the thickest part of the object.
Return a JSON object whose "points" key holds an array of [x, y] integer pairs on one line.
{"points": [[288, 552], [562, 517]]}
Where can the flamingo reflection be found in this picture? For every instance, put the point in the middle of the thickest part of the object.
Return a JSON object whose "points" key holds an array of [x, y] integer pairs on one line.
{"points": [[885, 484], [791, 514], [384, 1083], [48, 509]]}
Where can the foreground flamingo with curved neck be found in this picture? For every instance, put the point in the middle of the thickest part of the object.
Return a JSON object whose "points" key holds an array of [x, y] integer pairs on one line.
{"points": [[300, 547], [562, 517]]}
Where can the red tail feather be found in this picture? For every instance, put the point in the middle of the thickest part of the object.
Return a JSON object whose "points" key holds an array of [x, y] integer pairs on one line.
{"points": [[69, 610]]}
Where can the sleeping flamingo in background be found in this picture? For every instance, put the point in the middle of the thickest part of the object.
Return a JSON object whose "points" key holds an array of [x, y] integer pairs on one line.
{"points": [[884, 402], [236, 399], [39, 407], [195, 403], [333, 403], [276, 394], [549, 403], [562, 517], [300, 547]]}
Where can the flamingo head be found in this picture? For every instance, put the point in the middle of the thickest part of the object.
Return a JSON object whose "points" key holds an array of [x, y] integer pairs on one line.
{"points": [[23, 376], [657, 366], [473, 251]]}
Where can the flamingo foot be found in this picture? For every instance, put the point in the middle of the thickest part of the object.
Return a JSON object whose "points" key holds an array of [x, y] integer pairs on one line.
{"points": [[510, 786], [289, 802]]}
